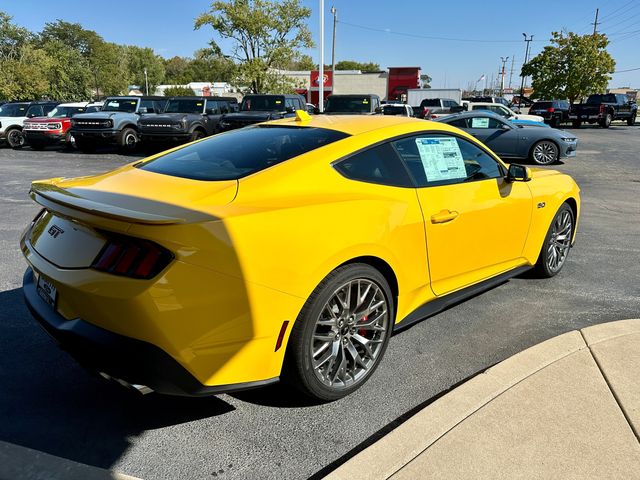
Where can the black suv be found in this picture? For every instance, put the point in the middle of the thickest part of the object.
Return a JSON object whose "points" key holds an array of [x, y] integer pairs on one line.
{"points": [[184, 119], [353, 104], [260, 108], [554, 112]]}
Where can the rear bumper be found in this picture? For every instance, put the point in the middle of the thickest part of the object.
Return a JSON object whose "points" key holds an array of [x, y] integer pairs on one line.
{"points": [[118, 356]]}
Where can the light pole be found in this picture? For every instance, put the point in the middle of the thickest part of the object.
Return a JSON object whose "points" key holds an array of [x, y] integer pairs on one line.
{"points": [[504, 60], [321, 69], [146, 82], [333, 44], [526, 58]]}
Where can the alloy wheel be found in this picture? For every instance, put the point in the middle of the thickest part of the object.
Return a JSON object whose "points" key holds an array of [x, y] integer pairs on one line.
{"points": [[559, 241], [349, 333], [15, 138], [545, 153]]}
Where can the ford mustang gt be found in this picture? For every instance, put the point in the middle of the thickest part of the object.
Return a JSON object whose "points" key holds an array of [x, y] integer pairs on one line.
{"points": [[289, 250]]}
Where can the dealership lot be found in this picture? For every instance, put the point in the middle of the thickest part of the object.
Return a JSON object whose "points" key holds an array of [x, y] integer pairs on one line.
{"points": [[50, 404]]}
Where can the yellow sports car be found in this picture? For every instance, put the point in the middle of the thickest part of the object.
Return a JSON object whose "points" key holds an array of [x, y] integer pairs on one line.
{"points": [[288, 250]]}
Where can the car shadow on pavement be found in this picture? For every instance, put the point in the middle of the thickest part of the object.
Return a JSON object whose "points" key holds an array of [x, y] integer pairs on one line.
{"points": [[49, 403]]}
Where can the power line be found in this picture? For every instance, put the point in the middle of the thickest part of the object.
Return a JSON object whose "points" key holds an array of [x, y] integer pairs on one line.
{"points": [[612, 14], [429, 37], [628, 70]]}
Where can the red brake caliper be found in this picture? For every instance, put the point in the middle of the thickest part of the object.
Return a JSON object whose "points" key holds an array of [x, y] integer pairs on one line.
{"points": [[361, 331]]}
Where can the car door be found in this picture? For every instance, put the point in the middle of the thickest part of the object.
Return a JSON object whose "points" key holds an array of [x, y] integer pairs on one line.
{"points": [[624, 108], [499, 135], [476, 223]]}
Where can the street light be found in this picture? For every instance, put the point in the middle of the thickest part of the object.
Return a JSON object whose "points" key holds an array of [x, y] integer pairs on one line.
{"points": [[321, 69], [333, 43], [526, 58]]}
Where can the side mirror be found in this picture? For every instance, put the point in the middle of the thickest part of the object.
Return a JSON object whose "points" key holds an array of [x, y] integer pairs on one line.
{"points": [[31, 115], [504, 126], [142, 110], [518, 173], [378, 110], [458, 109], [290, 110]]}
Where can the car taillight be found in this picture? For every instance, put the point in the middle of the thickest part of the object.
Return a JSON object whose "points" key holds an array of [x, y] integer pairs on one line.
{"points": [[425, 112], [551, 109], [602, 108], [132, 257]]}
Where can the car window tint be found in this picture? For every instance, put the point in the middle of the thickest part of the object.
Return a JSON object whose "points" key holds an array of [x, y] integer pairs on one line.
{"points": [[379, 164], [241, 152], [437, 159], [460, 123]]}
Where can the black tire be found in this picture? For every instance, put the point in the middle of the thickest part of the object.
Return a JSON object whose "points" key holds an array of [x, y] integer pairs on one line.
{"points": [[576, 124], [69, 141], [15, 138], [197, 135], [85, 146], [542, 268], [298, 370], [606, 121], [631, 121], [544, 152], [127, 140], [554, 122]]}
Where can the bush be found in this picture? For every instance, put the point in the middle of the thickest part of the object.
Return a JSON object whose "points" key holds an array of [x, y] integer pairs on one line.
{"points": [[178, 91]]}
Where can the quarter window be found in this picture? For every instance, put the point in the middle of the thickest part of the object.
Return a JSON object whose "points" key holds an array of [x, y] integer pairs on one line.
{"points": [[436, 159], [379, 164]]}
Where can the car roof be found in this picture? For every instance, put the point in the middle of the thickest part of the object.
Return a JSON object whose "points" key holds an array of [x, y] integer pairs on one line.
{"points": [[358, 124], [393, 105], [484, 104], [353, 95], [187, 97], [475, 113], [76, 104]]}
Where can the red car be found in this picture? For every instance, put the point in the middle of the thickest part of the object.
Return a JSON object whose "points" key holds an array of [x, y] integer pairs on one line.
{"points": [[53, 129]]}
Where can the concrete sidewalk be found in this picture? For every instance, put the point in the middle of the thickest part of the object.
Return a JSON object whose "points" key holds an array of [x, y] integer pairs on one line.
{"points": [[566, 408]]}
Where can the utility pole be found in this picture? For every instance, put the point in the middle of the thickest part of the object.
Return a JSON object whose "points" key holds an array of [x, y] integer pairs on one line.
{"points": [[146, 82], [333, 44], [595, 24], [526, 58], [321, 66], [504, 60], [513, 59]]}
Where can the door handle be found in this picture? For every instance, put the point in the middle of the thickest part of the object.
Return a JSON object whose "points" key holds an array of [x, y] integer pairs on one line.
{"points": [[443, 216]]}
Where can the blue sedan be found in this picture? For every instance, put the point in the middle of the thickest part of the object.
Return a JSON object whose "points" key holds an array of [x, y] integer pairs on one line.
{"points": [[541, 145]]}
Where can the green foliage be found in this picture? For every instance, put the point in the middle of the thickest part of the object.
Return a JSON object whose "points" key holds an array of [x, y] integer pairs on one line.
{"points": [[353, 65], [140, 58], [266, 35], [573, 67], [67, 72], [178, 91], [303, 62]]}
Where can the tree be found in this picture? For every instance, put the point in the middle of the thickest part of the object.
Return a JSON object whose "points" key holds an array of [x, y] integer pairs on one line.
{"points": [[208, 65], [12, 38], [302, 62], [266, 35], [177, 70], [573, 67], [23, 77], [67, 72], [178, 91], [353, 65], [139, 59]]}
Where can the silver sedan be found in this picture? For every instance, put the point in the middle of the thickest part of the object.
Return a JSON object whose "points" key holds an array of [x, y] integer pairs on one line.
{"points": [[540, 145]]}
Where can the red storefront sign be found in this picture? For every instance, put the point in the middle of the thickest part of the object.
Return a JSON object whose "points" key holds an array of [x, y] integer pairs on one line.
{"points": [[315, 81]]}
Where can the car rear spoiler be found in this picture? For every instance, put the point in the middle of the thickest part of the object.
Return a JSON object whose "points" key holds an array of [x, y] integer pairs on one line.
{"points": [[53, 197]]}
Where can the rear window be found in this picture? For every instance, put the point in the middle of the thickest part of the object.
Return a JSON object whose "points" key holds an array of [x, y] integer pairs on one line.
{"points": [[430, 102], [351, 104], [184, 105], [609, 98], [393, 110], [239, 153], [262, 103]]}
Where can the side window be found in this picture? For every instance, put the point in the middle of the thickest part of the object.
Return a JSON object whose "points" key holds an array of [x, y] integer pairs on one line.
{"points": [[213, 107], [379, 164], [149, 105], [484, 122], [288, 103], [158, 106], [460, 123], [435, 159], [47, 108]]}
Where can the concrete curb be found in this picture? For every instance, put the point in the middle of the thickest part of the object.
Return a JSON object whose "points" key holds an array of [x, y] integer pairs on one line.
{"points": [[17, 462], [445, 417]]}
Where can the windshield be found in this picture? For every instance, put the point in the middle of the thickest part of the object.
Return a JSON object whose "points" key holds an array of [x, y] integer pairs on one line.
{"points": [[120, 105], [262, 103], [65, 112], [356, 104], [601, 98], [430, 102], [541, 105], [184, 105], [14, 110], [241, 152], [393, 110]]}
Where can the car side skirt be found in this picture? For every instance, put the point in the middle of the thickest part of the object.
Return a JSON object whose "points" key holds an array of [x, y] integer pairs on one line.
{"points": [[437, 305]]}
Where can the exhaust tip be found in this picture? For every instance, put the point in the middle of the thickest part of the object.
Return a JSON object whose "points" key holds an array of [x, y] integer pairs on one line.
{"points": [[142, 389]]}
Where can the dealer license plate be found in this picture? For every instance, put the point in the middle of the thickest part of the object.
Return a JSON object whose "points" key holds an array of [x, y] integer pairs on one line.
{"points": [[47, 291]]}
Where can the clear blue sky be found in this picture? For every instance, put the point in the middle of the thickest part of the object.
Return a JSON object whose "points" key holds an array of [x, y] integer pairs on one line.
{"points": [[393, 35]]}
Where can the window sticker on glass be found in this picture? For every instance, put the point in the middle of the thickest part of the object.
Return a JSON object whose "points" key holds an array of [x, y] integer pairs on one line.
{"points": [[199, 104], [480, 122], [441, 158], [365, 101], [278, 101]]}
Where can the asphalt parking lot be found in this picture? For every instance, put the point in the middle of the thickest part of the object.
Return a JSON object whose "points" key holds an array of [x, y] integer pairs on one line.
{"points": [[49, 403]]}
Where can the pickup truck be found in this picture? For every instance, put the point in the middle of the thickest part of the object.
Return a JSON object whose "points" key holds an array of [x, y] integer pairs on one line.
{"points": [[431, 108], [53, 128], [13, 116], [260, 108], [117, 122], [184, 119], [604, 109]]}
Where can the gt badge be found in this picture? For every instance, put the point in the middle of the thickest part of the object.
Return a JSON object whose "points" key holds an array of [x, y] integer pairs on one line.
{"points": [[54, 231]]}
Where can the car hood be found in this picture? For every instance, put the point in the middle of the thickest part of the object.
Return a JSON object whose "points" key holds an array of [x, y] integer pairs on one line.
{"points": [[46, 119], [137, 196], [533, 118], [100, 115]]}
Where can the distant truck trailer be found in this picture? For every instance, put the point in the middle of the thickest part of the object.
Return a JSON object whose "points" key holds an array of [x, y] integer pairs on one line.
{"points": [[416, 95], [400, 80]]}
